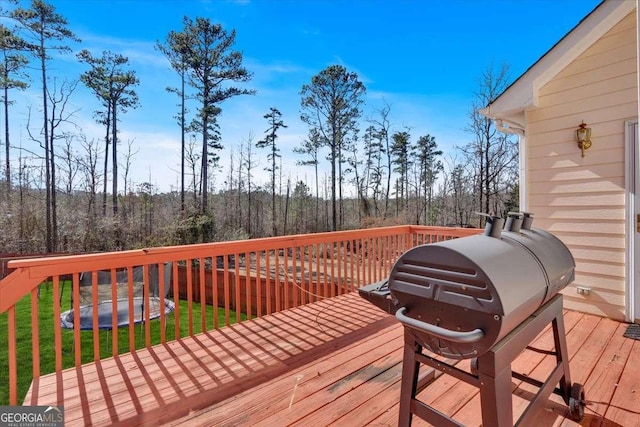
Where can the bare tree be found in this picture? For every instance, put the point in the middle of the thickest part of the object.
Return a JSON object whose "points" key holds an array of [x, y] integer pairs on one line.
{"points": [[239, 210], [358, 170], [492, 154], [311, 146], [192, 159], [58, 100], [374, 170], [89, 169], [128, 162], [249, 163], [456, 191], [382, 126], [60, 116], [70, 163]]}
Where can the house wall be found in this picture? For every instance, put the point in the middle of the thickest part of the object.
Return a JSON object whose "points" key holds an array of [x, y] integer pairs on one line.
{"points": [[582, 200]]}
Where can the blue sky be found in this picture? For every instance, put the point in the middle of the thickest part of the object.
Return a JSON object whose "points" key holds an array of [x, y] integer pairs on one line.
{"points": [[423, 57]]}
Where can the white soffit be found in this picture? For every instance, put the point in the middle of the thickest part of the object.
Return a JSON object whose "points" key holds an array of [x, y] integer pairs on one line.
{"points": [[523, 93]]}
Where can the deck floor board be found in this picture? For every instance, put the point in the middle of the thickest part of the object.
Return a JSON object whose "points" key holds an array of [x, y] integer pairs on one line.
{"points": [[333, 362]]}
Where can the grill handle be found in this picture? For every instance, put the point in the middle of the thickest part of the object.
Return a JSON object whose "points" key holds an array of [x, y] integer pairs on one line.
{"points": [[445, 334]]}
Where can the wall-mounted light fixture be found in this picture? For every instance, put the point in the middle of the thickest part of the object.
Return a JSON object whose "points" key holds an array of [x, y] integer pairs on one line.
{"points": [[583, 137]]}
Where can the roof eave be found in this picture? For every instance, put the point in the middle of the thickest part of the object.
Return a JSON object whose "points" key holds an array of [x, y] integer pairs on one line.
{"points": [[523, 93]]}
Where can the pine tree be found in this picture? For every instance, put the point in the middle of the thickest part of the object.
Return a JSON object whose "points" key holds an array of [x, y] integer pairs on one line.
{"points": [[211, 65], [113, 85], [274, 118], [331, 103], [44, 27], [13, 61]]}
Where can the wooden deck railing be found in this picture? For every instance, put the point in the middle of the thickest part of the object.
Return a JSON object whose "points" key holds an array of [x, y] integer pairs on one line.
{"points": [[211, 284]]}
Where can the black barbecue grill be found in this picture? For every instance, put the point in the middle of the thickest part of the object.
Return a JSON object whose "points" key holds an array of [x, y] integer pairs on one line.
{"points": [[485, 298]]}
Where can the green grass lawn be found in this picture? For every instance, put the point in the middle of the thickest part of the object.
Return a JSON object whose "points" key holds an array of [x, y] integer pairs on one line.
{"points": [[46, 336]]}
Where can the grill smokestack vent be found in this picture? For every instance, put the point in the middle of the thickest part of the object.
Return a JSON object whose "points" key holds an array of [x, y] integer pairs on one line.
{"points": [[527, 220], [493, 226], [514, 222]]}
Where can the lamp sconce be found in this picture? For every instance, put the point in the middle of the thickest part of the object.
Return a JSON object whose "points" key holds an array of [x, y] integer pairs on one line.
{"points": [[583, 137]]}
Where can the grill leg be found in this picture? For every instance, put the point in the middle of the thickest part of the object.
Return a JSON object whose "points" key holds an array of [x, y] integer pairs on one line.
{"points": [[409, 384], [562, 356], [495, 398]]}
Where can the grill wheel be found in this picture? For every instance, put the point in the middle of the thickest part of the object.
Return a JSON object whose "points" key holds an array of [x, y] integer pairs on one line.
{"points": [[577, 402]]}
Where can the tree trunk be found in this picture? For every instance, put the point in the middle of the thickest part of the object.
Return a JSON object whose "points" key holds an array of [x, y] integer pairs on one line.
{"points": [[389, 171], [205, 164], [487, 179], [334, 218], [47, 154], [54, 202], [107, 140], [317, 225], [182, 142], [7, 164], [249, 203], [286, 207], [21, 205], [273, 196], [326, 205], [238, 215], [114, 161], [341, 206]]}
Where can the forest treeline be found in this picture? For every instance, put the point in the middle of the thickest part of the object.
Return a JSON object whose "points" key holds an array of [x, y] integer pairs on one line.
{"points": [[78, 195]]}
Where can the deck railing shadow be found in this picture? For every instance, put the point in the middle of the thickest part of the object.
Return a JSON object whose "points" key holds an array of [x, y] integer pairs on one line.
{"points": [[171, 380]]}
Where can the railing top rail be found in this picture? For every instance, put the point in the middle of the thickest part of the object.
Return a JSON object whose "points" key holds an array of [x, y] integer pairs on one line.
{"points": [[36, 270], [195, 250], [451, 231]]}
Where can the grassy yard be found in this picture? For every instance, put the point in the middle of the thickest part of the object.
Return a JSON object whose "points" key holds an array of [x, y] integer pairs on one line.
{"points": [[46, 334]]}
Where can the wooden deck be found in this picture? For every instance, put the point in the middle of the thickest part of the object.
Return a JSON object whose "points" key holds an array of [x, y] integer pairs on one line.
{"points": [[334, 362]]}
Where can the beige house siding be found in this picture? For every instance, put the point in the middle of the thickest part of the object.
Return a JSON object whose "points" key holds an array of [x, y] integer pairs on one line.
{"points": [[582, 200]]}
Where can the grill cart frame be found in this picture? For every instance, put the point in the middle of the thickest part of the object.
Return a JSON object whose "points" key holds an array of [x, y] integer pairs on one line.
{"points": [[491, 373], [483, 298]]}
